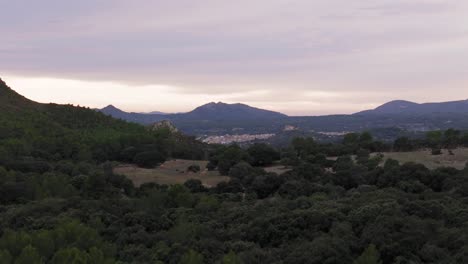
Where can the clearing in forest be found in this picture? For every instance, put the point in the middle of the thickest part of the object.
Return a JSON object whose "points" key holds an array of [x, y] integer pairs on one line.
{"points": [[458, 160], [171, 172]]}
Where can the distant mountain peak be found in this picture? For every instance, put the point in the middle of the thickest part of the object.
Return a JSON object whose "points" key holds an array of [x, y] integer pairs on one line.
{"points": [[222, 111], [110, 107], [112, 110], [396, 105], [407, 107]]}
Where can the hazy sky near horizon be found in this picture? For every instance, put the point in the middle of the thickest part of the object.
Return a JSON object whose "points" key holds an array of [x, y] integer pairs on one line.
{"points": [[300, 57]]}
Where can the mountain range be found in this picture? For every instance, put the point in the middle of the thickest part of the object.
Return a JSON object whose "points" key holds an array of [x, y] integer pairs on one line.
{"points": [[407, 107], [220, 118], [210, 111], [224, 111]]}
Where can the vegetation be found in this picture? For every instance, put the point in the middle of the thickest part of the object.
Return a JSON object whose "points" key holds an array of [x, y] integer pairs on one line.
{"points": [[63, 202]]}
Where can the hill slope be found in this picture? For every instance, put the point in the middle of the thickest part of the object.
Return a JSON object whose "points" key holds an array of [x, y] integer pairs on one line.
{"points": [[51, 132], [406, 107]]}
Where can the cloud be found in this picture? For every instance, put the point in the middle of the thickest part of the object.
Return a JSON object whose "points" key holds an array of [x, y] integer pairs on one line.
{"points": [[366, 48]]}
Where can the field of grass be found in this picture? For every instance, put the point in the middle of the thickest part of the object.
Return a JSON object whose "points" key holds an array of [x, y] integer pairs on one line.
{"points": [[171, 172], [278, 169], [458, 160]]}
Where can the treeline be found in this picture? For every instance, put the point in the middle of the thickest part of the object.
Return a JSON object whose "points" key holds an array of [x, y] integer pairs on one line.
{"points": [[435, 140], [223, 158]]}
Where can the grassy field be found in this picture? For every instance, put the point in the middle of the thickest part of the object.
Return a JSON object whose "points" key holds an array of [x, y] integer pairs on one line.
{"points": [[424, 156], [278, 169], [171, 172]]}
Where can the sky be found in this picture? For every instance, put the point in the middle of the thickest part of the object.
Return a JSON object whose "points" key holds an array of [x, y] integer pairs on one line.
{"points": [[299, 57]]}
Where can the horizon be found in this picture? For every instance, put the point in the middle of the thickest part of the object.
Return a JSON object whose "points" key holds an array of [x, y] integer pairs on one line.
{"points": [[234, 103], [298, 58]]}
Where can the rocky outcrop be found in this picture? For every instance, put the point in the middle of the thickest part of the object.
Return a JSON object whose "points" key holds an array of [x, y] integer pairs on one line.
{"points": [[164, 124]]}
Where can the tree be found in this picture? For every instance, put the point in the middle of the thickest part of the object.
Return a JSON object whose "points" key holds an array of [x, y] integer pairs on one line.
{"points": [[70, 255], [232, 258], [232, 155], [44, 242], [29, 255], [194, 168], [365, 139], [451, 138], [434, 139], [195, 185], [5, 257], [262, 154], [192, 257], [149, 159], [304, 146], [370, 256], [351, 139], [180, 196], [403, 144]]}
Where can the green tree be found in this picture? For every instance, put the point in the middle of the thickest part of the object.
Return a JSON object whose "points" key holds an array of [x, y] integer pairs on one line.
{"points": [[370, 256], [29, 255], [5, 257], [70, 256], [14, 242], [180, 196], [262, 154], [149, 159], [232, 258], [403, 144], [192, 257], [304, 146], [44, 242], [232, 155]]}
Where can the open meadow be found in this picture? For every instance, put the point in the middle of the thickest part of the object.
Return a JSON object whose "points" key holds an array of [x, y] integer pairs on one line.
{"points": [[171, 172], [458, 160]]}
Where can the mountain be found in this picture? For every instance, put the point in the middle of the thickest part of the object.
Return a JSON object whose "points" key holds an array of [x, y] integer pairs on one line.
{"points": [[210, 111], [211, 118], [406, 107], [141, 118], [221, 118], [113, 111], [223, 111], [155, 113]]}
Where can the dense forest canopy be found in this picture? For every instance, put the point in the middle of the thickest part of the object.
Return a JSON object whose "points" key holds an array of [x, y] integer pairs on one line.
{"points": [[61, 201]]}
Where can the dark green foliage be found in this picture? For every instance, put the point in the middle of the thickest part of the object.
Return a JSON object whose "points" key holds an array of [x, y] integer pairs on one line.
{"points": [[403, 144], [370, 256], [194, 168], [68, 242], [262, 154], [228, 156], [149, 159]]}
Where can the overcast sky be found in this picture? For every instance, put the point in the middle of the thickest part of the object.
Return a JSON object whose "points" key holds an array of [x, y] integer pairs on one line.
{"points": [[300, 57]]}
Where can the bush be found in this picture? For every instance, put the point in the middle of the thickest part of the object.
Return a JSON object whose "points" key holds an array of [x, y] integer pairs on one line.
{"points": [[149, 159], [211, 166], [194, 168], [436, 151]]}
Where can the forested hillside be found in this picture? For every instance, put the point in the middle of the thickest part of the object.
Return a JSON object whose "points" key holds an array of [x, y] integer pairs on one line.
{"points": [[61, 202], [33, 134]]}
